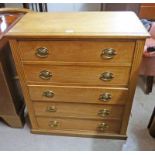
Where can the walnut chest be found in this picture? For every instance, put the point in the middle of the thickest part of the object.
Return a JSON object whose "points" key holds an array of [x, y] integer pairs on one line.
{"points": [[78, 71]]}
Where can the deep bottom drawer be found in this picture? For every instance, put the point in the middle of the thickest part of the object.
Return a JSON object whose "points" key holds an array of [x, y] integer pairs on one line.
{"points": [[104, 126]]}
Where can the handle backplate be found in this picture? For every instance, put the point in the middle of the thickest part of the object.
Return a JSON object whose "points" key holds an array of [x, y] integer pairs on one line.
{"points": [[51, 109], [104, 112], [41, 52], [105, 97], [45, 75], [53, 124], [106, 76], [48, 93], [108, 53], [102, 127]]}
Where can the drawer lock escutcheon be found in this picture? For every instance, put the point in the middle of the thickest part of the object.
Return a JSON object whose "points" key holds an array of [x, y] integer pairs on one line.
{"points": [[45, 75], [48, 94], [104, 112], [108, 53], [41, 52], [106, 76], [105, 97], [53, 124], [102, 127], [51, 109]]}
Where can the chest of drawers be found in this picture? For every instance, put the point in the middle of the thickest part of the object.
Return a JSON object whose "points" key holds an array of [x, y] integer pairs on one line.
{"points": [[78, 71]]}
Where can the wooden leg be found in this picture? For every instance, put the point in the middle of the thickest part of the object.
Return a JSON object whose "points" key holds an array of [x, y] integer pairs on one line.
{"points": [[152, 128], [13, 121], [149, 84], [151, 125]]}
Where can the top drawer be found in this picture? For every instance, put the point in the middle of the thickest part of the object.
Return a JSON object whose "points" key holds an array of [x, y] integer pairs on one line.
{"points": [[77, 51]]}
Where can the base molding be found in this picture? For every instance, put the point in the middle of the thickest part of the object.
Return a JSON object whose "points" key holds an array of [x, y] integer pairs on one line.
{"points": [[79, 134]]}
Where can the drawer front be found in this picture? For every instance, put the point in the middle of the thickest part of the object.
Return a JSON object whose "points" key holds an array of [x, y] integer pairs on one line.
{"points": [[85, 75], [78, 94], [77, 51], [100, 126], [78, 110]]}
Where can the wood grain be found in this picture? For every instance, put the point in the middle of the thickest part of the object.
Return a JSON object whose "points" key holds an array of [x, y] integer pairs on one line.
{"points": [[14, 48], [147, 11], [77, 51], [132, 84], [78, 94], [76, 133], [79, 124], [11, 102], [80, 25], [79, 75], [75, 63], [77, 110], [14, 121], [14, 10]]}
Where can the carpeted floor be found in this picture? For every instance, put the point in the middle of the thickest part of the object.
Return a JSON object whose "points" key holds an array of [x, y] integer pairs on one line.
{"points": [[138, 136]]}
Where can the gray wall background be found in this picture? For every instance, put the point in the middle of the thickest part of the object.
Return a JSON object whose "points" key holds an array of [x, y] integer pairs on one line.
{"points": [[53, 7]]}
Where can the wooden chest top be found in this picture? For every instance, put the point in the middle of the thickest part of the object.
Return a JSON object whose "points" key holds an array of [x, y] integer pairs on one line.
{"points": [[79, 24]]}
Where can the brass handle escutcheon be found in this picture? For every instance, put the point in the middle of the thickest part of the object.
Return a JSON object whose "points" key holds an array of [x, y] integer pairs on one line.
{"points": [[106, 76], [51, 109], [108, 53], [53, 124], [102, 127], [105, 97], [104, 112], [45, 75], [48, 94], [41, 52]]}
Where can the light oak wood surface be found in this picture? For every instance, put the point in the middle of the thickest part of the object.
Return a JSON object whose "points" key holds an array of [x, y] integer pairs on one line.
{"points": [[79, 75], [79, 133], [76, 110], [78, 94], [80, 24], [14, 48], [132, 84], [75, 42], [79, 124], [77, 51]]}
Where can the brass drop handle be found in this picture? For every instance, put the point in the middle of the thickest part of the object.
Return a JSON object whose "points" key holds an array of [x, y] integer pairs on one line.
{"points": [[41, 52], [105, 97], [45, 75], [104, 112], [48, 94], [53, 124], [102, 127], [51, 109], [106, 76], [108, 53]]}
